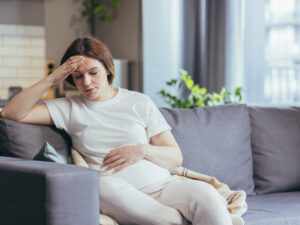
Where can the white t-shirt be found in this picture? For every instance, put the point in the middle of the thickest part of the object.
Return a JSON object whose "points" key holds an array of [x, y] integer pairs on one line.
{"points": [[129, 118]]}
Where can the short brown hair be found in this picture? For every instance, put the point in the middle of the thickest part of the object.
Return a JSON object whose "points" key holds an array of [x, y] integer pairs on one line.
{"points": [[93, 48]]}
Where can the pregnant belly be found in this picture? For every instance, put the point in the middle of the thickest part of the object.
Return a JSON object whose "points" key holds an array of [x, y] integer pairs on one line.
{"points": [[143, 173]]}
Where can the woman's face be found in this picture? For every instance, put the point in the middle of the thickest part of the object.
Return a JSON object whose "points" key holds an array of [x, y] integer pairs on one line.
{"points": [[91, 79]]}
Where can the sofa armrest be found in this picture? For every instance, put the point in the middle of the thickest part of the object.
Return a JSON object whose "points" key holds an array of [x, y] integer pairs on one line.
{"points": [[37, 193]]}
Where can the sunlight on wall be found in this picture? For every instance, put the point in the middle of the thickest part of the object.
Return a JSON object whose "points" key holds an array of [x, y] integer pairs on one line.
{"points": [[161, 40]]}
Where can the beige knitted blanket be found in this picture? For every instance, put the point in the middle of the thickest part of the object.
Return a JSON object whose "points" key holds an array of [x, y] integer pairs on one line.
{"points": [[236, 200]]}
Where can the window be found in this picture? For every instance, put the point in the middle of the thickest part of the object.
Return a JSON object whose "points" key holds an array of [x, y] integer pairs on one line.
{"points": [[282, 51]]}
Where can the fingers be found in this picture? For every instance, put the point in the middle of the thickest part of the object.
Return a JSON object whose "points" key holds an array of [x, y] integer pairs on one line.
{"points": [[116, 159], [110, 158], [120, 158], [116, 163], [67, 68], [75, 60], [73, 63]]}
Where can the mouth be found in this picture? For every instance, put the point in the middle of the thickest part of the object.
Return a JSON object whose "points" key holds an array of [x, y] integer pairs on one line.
{"points": [[89, 91]]}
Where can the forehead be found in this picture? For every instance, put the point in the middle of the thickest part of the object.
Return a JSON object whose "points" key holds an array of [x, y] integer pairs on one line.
{"points": [[88, 64]]}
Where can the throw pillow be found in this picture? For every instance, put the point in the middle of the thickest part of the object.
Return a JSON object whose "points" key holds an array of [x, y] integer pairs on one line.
{"points": [[48, 153]]}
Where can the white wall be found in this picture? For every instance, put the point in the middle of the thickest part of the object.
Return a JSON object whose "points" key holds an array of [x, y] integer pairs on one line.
{"points": [[63, 24], [22, 56], [122, 35], [22, 44], [161, 44]]}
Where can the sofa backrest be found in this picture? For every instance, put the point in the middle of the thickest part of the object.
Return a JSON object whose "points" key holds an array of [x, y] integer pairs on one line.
{"points": [[26, 140], [215, 141], [275, 138]]}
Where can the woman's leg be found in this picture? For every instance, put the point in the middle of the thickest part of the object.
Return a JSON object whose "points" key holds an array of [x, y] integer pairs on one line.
{"points": [[198, 201], [128, 205]]}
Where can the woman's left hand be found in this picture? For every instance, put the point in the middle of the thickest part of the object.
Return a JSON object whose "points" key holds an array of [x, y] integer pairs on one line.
{"points": [[122, 157]]}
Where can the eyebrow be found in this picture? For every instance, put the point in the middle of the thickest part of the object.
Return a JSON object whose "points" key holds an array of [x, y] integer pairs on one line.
{"points": [[88, 69]]}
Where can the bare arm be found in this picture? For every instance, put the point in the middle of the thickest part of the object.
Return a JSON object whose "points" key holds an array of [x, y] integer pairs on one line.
{"points": [[163, 151], [23, 107]]}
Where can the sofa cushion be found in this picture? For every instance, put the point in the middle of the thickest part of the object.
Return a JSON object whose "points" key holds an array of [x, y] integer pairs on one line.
{"points": [[276, 208], [276, 148], [215, 141], [26, 140]]}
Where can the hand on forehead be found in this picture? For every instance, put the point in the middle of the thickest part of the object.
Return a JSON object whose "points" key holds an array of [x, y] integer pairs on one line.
{"points": [[89, 64]]}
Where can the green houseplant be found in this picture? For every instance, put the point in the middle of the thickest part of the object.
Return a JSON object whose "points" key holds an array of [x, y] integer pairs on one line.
{"points": [[103, 9], [196, 96]]}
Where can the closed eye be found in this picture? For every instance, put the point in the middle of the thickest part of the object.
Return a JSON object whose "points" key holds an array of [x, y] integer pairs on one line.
{"points": [[93, 72]]}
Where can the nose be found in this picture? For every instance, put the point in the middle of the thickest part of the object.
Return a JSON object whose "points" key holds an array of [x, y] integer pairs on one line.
{"points": [[86, 80]]}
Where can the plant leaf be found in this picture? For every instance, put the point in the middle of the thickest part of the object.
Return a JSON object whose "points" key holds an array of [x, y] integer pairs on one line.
{"points": [[223, 92], [102, 18], [215, 98], [110, 16], [99, 9], [180, 84], [183, 72], [196, 88], [238, 91], [171, 82], [84, 13], [115, 2], [188, 81], [203, 91], [87, 5]]}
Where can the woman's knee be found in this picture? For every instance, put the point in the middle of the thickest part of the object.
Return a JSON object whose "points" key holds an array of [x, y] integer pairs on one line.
{"points": [[210, 196], [202, 196], [210, 192]]}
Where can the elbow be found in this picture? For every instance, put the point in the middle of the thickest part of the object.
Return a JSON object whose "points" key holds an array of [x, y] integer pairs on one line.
{"points": [[3, 113], [8, 115]]}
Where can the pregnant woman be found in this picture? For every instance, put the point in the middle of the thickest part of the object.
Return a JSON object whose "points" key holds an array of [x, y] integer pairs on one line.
{"points": [[123, 135]]}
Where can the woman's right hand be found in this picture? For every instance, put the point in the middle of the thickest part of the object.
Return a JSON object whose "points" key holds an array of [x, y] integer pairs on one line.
{"points": [[64, 70]]}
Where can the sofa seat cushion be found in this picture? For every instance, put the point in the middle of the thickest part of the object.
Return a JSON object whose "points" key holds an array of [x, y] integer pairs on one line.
{"points": [[277, 209], [26, 140], [215, 141], [275, 134]]}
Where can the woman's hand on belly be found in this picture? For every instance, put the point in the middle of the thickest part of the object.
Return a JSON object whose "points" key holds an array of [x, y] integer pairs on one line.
{"points": [[124, 156]]}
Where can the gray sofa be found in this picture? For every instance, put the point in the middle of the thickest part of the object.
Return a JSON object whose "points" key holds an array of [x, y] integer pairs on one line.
{"points": [[255, 149]]}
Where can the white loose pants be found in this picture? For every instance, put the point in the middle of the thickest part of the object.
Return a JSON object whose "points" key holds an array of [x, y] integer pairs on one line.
{"points": [[172, 202]]}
